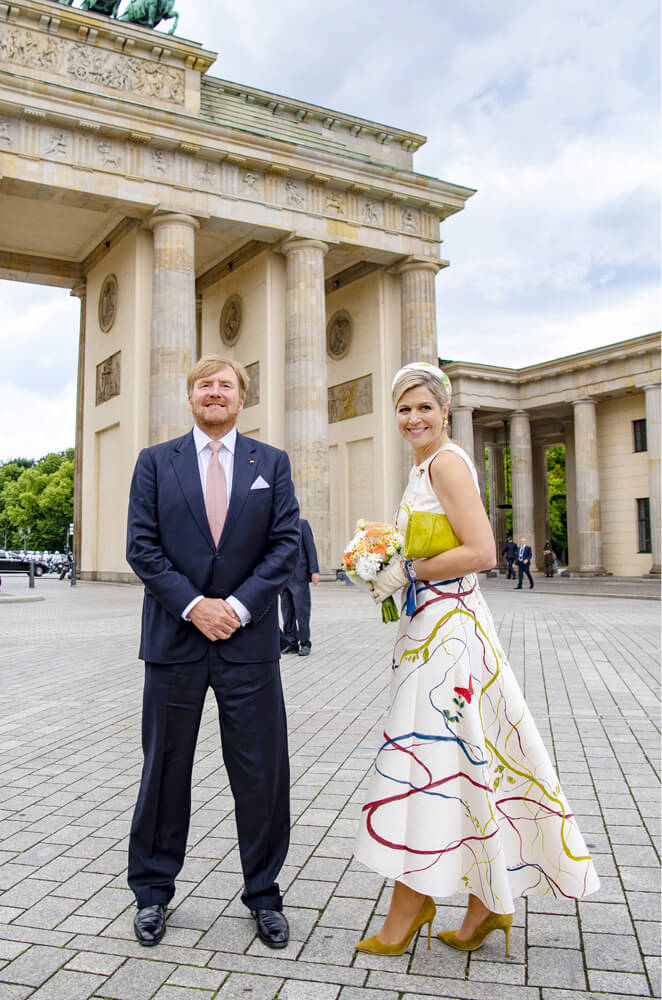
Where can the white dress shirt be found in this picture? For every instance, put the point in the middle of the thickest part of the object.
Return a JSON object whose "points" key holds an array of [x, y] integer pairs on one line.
{"points": [[226, 458]]}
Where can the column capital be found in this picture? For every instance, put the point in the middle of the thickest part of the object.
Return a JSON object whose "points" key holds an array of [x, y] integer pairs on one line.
{"points": [[460, 407], [79, 290], [584, 399], [295, 242], [170, 218], [420, 264], [520, 413], [650, 385]]}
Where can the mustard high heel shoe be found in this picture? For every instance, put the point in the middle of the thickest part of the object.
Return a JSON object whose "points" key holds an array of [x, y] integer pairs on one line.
{"points": [[493, 922], [374, 946]]}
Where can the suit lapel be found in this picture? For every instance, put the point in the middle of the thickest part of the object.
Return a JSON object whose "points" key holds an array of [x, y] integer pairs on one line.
{"points": [[185, 464], [243, 473]]}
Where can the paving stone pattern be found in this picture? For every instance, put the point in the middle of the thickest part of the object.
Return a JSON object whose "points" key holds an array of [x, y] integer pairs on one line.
{"points": [[70, 763]]}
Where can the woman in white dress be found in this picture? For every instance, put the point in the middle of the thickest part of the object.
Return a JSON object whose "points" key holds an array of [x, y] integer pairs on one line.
{"points": [[464, 797]]}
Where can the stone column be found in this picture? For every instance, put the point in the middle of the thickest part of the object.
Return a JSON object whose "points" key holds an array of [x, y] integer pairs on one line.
{"points": [[497, 478], [462, 428], [418, 310], [653, 441], [80, 291], [418, 324], [306, 386], [540, 496], [521, 466], [571, 496], [479, 460], [173, 343], [587, 485]]}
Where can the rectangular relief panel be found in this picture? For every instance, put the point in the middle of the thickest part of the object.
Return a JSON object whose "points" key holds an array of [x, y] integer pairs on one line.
{"points": [[109, 373], [253, 394], [350, 399]]}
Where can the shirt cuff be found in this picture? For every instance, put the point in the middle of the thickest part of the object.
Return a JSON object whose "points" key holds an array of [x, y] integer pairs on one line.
{"points": [[241, 609], [189, 607]]}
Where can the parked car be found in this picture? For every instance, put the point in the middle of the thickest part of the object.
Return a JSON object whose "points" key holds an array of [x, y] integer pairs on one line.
{"points": [[13, 564]]}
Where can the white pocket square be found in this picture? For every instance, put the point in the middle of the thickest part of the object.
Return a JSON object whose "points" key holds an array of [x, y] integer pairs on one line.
{"points": [[260, 484]]}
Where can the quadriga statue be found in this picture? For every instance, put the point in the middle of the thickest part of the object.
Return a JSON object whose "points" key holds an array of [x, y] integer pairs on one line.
{"points": [[109, 7], [149, 13]]}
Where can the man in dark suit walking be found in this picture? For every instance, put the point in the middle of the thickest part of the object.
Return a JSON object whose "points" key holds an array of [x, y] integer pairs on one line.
{"points": [[213, 533], [510, 552], [524, 556], [295, 597]]}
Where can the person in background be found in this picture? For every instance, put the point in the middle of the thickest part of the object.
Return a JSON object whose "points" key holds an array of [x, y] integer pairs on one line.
{"points": [[524, 557], [509, 551], [295, 596], [549, 557]]}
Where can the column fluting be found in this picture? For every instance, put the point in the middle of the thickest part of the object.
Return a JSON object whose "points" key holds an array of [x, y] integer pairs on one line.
{"points": [[521, 466], [653, 441], [173, 340], [306, 386], [587, 486]]}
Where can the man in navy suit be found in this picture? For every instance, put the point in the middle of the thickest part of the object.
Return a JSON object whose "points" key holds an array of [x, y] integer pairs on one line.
{"points": [[295, 597], [524, 556], [214, 545]]}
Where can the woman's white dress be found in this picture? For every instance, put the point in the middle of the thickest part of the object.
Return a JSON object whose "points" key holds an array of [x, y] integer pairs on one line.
{"points": [[464, 797]]}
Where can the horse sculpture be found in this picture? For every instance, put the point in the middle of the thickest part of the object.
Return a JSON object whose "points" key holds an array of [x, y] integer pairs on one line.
{"points": [[148, 13], [108, 7]]}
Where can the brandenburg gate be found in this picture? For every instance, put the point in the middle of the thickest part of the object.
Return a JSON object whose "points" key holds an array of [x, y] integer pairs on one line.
{"points": [[192, 215]]}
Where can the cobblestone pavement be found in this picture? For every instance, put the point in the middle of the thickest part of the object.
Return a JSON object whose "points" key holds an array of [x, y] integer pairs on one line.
{"points": [[70, 763]]}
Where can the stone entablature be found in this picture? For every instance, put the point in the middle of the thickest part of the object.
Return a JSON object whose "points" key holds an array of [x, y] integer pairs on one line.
{"points": [[66, 44], [604, 371], [121, 101], [297, 121]]}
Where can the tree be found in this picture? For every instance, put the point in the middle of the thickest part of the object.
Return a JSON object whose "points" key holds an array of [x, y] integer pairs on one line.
{"points": [[558, 507], [37, 496]]}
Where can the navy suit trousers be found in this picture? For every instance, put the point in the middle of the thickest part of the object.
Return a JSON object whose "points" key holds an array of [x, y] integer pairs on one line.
{"points": [[254, 743], [295, 607]]}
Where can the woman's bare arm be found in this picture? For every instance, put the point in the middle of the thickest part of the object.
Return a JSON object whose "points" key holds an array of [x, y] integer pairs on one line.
{"points": [[454, 486]]}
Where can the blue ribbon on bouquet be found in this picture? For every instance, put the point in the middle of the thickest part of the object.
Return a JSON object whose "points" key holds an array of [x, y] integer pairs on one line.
{"points": [[410, 594]]}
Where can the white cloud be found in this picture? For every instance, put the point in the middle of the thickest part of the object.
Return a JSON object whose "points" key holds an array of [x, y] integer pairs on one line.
{"points": [[35, 423]]}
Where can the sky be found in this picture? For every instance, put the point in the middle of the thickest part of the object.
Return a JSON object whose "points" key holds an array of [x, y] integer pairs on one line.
{"points": [[549, 110]]}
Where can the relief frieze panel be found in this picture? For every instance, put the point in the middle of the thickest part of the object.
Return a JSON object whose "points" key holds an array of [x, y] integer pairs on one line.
{"points": [[350, 399], [90, 64]]}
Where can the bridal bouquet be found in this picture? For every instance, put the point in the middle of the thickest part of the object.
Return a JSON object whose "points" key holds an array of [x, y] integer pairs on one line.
{"points": [[371, 549]]}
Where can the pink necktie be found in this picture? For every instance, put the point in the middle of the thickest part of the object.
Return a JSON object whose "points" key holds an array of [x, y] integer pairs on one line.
{"points": [[216, 493]]}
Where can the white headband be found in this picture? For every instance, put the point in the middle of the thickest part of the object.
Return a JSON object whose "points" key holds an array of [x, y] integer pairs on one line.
{"points": [[423, 366]]}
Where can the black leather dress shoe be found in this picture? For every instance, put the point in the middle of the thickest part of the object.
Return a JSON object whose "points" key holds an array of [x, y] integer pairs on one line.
{"points": [[292, 647], [304, 649], [149, 924], [272, 927]]}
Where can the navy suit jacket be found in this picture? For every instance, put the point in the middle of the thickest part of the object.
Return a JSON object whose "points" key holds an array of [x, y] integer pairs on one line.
{"points": [[170, 547], [526, 555], [306, 563]]}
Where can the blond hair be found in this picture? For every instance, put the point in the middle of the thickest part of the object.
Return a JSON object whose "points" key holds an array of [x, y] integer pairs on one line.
{"points": [[210, 364], [411, 378]]}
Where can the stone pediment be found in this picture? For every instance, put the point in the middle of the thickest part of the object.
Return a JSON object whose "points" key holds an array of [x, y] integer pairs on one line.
{"points": [[88, 51]]}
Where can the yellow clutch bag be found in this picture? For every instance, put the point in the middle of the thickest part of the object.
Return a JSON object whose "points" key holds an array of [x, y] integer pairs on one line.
{"points": [[428, 534]]}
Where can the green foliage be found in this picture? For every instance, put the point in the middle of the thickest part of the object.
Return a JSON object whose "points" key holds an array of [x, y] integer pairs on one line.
{"points": [[558, 510], [37, 496]]}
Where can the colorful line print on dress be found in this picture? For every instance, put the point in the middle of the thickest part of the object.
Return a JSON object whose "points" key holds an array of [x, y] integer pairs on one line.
{"points": [[478, 701]]}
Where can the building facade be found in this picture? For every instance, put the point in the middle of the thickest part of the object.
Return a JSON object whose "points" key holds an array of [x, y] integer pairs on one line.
{"points": [[604, 406], [193, 215]]}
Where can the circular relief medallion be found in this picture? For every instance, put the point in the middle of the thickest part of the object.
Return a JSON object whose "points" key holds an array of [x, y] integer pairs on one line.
{"points": [[108, 303], [230, 324], [339, 335]]}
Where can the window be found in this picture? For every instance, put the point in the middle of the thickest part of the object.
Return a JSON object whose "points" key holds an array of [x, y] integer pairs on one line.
{"points": [[639, 435], [644, 524]]}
